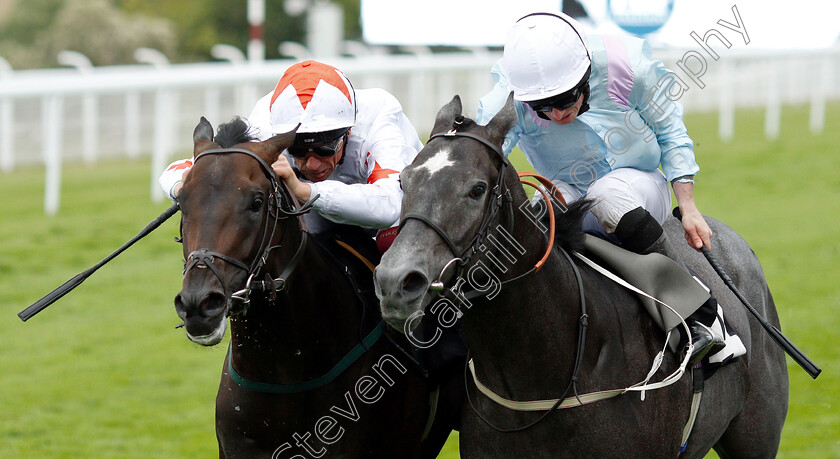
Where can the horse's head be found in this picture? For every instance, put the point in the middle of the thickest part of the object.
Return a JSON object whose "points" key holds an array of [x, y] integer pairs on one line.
{"points": [[453, 193], [228, 207]]}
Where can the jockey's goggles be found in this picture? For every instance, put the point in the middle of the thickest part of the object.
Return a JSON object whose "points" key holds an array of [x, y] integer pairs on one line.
{"points": [[563, 100], [327, 150]]}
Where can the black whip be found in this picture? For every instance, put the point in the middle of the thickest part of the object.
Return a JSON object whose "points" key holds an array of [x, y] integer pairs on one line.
{"points": [[807, 364], [66, 287]]}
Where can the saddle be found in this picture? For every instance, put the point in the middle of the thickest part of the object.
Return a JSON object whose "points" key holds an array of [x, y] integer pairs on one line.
{"points": [[658, 276]]}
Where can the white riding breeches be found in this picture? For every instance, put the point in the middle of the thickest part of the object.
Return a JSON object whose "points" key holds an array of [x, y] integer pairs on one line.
{"points": [[619, 192]]}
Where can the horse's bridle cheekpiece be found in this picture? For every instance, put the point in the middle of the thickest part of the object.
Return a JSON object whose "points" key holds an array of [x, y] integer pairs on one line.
{"points": [[281, 205], [500, 195]]}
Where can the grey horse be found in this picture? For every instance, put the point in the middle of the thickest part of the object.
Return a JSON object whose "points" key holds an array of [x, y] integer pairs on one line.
{"points": [[524, 326]]}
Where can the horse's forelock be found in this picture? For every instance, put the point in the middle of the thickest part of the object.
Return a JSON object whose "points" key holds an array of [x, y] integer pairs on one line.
{"points": [[233, 133]]}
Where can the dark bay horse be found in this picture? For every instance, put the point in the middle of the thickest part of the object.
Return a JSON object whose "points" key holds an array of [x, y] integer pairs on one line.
{"points": [[308, 372], [462, 232]]}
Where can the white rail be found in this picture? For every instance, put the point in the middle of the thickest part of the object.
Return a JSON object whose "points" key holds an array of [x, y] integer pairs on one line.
{"points": [[88, 114]]}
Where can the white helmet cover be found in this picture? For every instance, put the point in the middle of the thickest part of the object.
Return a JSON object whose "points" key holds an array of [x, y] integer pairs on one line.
{"points": [[315, 95], [545, 55]]}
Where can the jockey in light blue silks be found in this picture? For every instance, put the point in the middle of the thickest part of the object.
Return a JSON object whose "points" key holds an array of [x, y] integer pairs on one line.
{"points": [[598, 116]]}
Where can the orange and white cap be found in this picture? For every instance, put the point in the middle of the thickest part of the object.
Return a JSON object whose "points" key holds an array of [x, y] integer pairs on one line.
{"points": [[315, 95]]}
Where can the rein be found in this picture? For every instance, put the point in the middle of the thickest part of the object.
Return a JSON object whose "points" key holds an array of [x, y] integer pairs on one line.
{"points": [[500, 196], [281, 204], [314, 383], [280, 201], [549, 405]]}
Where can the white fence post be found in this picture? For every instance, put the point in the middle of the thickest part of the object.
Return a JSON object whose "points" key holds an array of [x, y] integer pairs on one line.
{"points": [[480, 81], [420, 94], [360, 51], [164, 120], [773, 113], [52, 131], [820, 89], [7, 127], [325, 31], [245, 94], [90, 111], [132, 124]]}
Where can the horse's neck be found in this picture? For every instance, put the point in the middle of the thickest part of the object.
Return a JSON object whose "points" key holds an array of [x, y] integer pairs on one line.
{"points": [[312, 323]]}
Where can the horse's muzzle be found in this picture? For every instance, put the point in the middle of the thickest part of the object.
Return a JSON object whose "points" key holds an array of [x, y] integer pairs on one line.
{"points": [[204, 315], [400, 292]]}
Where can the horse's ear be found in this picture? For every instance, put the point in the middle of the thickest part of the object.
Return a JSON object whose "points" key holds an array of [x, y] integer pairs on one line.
{"points": [[275, 145], [446, 115], [504, 120], [202, 135]]}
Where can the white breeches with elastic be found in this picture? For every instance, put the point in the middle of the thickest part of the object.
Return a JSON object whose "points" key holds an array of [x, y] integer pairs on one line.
{"points": [[621, 191]]}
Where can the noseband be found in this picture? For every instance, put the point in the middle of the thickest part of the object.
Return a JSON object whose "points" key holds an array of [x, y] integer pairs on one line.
{"points": [[500, 195], [281, 204]]}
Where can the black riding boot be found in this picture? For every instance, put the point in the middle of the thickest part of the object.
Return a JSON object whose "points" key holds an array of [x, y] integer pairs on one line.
{"points": [[639, 232]]}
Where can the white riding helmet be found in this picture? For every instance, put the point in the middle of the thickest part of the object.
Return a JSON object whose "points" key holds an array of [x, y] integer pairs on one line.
{"points": [[318, 97], [545, 55]]}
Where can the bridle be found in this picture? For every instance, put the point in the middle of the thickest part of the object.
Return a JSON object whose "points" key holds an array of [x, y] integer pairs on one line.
{"points": [[499, 196], [281, 204], [500, 199]]}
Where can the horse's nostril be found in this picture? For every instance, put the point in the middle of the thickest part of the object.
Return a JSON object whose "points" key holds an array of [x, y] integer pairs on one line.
{"points": [[208, 305], [415, 283], [178, 303], [213, 304]]}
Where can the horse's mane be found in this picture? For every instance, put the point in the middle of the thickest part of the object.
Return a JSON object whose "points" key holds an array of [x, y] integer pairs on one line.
{"points": [[234, 132], [568, 225]]}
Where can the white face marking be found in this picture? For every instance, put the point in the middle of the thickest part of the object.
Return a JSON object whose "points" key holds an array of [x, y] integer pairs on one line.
{"points": [[437, 162]]}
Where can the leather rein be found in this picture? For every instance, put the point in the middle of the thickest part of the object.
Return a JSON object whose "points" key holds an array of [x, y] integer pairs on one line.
{"points": [[501, 196], [281, 204]]}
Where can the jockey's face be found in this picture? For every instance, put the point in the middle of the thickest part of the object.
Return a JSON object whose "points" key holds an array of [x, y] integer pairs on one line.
{"points": [[567, 115], [317, 168]]}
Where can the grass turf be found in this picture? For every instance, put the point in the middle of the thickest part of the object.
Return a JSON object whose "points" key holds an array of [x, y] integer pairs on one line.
{"points": [[103, 373]]}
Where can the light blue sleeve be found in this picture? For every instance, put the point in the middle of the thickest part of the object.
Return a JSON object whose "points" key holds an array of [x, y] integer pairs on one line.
{"points": [[492, 102], [650, 97]]}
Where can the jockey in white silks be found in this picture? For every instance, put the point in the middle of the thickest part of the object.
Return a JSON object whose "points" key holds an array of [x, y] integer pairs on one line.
{"points": [[598, 116], [349, 148]]}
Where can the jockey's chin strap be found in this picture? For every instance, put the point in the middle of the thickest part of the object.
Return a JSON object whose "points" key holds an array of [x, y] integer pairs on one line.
{"points": [[281, 204]]}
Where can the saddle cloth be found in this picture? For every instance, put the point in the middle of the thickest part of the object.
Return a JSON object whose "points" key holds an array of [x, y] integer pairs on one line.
{"points": [[658, 276]]}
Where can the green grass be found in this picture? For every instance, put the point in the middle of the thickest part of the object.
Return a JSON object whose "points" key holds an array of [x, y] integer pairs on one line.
{"points": [[103, 373]]}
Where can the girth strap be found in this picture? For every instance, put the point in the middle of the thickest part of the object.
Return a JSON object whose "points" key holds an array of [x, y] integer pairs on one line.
{"points": [[311, 384]]}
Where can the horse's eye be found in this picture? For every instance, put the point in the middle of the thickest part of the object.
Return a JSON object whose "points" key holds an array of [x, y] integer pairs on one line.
{"points": [[478, 191], [257, 204]]}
